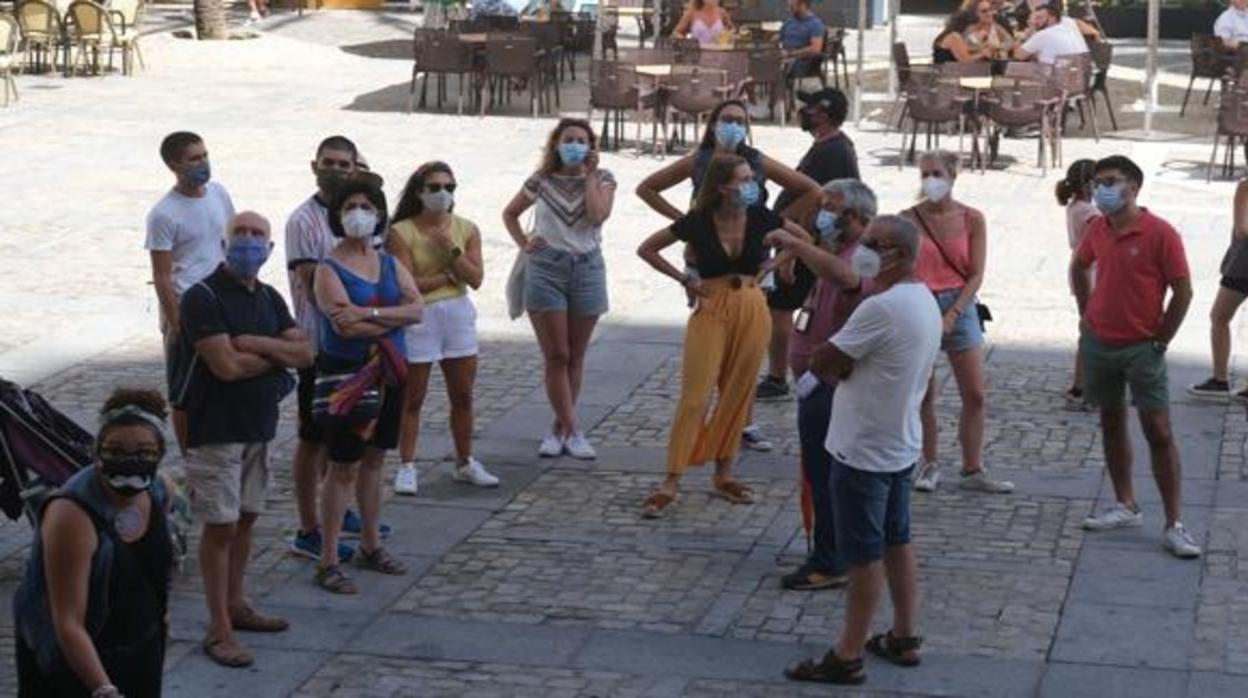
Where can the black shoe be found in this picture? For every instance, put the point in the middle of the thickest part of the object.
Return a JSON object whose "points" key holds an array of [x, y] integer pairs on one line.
{"points": [[1212, 389], [808, 578], [771, 388]]}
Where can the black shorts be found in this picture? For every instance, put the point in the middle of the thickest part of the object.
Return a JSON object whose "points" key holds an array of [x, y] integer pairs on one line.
{"points": [[342, 436], [309, 430], [791, 296], [1236, 285]]}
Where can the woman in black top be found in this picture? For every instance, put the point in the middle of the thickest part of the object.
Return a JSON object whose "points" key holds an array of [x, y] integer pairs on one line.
{"points": [[950, 45], [90, 614], [728, 331]]}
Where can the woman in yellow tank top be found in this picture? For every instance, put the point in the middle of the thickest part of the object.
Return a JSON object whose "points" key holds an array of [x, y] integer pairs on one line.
{"points": [[443, 253]]}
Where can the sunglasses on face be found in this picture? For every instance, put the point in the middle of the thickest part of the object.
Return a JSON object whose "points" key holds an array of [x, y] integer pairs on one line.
{"points": [[438, 186], [114, 454]]}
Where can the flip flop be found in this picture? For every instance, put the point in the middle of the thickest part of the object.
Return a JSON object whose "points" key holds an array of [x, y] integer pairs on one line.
{"points": [[656, 504], [218, 651], [734, 491]]}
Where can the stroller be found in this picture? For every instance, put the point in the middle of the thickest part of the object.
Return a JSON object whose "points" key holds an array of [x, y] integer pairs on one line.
{"points": [[40, 449]]}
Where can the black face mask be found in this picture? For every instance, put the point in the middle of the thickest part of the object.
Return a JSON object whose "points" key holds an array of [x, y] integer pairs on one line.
{"points": [[128, 475], [806, 120], [329, 180]]}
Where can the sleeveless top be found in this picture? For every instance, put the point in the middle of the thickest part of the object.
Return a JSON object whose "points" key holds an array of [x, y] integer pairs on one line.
{"points": [[128, 584], [428, 258], [383, 293], [706, 34], [933, 270], [942, 55], [702, 162]]}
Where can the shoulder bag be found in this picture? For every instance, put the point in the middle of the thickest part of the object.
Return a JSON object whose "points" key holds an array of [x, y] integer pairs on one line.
{"points": [[981, 309]]}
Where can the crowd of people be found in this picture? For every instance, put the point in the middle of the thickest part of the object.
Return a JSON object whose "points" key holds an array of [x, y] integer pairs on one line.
{"points": [[852, 305], [992, 30]]}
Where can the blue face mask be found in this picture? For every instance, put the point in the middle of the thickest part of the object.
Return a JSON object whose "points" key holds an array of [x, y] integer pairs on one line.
{"points": [[573, 154], [1108, 198], [245, 255], [747, 193], [825, 223], [729, 135], [200, 174]]}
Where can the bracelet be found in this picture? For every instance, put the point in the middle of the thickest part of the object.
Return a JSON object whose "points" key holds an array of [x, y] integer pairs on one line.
{"points": [[108, 690]]}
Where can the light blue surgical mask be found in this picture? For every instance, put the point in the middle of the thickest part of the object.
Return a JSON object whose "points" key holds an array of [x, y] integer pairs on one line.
{"points": [[729, 134], [825, 223], [573, 154], [747, 193], [1108, 198], [245, 255]]}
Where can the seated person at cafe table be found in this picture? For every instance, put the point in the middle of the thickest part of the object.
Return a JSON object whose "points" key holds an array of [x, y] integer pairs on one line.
{"points": [[801, 37], [1055, 36], [950, 45], [705, 21], [1232, 25], [987, 33], [492, 8]]}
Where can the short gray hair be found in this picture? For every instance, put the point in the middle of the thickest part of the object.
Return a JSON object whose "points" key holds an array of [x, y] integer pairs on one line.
{"points": [[949, 161], [857, 197], [904, 234]]}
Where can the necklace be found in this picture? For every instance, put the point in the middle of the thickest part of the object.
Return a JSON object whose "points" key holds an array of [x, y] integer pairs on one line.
{"points": [[128, 522]]}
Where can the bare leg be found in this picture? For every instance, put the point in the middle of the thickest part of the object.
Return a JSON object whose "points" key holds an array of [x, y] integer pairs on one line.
{"points": [[903, 586], [214, 567], [551, 328], [580, 331], [865, 584], [460, 376], [1077, 380], [368, 492], [306, 470], [334, 492], [1117, 444], [1220, 315], [413, 401], [931, 428], [1167, 470], [778, 349], [240, 554], [968, 371]]}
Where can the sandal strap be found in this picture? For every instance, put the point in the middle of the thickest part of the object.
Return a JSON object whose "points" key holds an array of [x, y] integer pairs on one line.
{"points": [[381, 559], [834, 663], [902, 644]]}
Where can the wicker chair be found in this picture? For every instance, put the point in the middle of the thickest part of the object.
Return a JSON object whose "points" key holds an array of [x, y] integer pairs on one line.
{"points": [[614, 88], [1017, 103], [42, 33], [1028, 70], [767, 72], [1233, 124], [693, 91], [735, 64], [127, 18], [1072, 75], [834, 43], [1102, 57], [684, 51], [901, 64], [439, 53], [1206, 63], [10, 33], [934, 102], [509, 58], [91, 31]]}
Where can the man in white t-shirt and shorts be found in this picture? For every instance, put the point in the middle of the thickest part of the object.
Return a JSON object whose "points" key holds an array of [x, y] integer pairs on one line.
{"points": [[186, 238], [881, 360], [1055, 36]]}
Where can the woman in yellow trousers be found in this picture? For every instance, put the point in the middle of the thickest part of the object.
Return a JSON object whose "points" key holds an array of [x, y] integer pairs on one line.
{"points": [[729, 328]]}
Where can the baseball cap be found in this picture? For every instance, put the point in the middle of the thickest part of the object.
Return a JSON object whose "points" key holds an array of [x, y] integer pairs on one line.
{"points": [[829, 99]]}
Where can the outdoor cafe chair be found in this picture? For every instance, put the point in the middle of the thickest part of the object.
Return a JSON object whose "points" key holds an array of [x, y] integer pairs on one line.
{"points": [[684, 51], [580, 42], [91, 31], [932, 102], [509, 58], [615, 89], [9, 35], [693, 91], [901, 64], [1102, 57], [127, 15], [1233, 124], [1072, 75], [1016, 103], [1028, 70], [42, 33], [767, 73], [440, 53], [1207, 62], [833, 44], [735, 64]]}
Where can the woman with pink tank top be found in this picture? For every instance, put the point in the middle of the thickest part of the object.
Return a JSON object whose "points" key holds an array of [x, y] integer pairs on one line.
{"points": [[951, 262]]}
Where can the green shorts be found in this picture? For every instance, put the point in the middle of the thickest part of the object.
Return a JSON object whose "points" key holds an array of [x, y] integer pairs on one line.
{"points": [[1107, 370]]}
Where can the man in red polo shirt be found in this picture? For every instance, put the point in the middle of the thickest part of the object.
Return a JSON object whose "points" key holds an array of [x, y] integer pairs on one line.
{"points": [[1127, 325]]}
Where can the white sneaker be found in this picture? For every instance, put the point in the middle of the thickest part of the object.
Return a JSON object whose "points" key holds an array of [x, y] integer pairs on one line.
{"points": [[928, 477], [980, 482], [1117, 516], [753, 438], [405, 481], [474, 473], [1180, 543], [578, 446], [551, 446]]}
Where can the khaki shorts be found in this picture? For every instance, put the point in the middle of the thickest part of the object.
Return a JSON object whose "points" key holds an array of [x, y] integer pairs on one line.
{"points": [[226, 480]]}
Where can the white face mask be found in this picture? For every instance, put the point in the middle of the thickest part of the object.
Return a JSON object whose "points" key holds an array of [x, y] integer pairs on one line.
{"points": [[936, 188], [866, 262], [438, 201], [359, 223]]}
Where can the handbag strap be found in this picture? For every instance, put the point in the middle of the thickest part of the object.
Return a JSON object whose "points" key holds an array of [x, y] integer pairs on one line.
{"points": [[939, 247]]}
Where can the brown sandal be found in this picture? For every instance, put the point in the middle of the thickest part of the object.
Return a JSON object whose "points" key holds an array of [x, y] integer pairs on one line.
{"points": [[219, 651], [902, 651], [830, 669], [333, 579], [656, 504], [733, 491], [251, 620]]}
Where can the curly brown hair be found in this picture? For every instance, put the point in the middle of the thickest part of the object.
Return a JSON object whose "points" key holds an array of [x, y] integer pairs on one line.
{"points": [[550, 156], [148, 400]]}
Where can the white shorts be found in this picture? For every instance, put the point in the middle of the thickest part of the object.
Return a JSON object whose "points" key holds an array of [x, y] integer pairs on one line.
{"points": [[447, 331]]}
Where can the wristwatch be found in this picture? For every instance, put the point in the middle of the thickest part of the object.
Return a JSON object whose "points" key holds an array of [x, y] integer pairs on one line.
{"points": [[456, 252], [374, 313]]}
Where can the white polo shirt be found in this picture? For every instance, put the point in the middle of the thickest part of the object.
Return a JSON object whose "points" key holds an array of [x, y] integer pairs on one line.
{"points": [[1061, 39], [1232, 25]]}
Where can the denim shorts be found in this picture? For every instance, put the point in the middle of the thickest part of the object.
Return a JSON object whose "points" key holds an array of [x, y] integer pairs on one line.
{"points": [[559, 280], [967, 334], [871, 511]]}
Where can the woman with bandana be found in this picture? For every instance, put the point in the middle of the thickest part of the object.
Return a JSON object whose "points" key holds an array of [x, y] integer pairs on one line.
{"points": [[90, 615], [728, 330]]}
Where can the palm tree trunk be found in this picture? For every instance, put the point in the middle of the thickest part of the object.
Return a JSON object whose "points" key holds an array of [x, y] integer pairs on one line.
{"points": [[210, 19]]}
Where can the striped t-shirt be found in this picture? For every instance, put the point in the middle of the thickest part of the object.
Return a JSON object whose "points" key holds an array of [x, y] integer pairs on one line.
{"points": [[308, 240], [560, 210]]}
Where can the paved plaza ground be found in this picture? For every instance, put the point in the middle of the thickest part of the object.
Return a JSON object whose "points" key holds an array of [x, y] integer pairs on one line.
{"points": [[552, 585]]}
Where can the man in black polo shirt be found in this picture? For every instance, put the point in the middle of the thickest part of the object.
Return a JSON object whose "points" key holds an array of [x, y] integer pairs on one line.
{"points": [[830, 157], [244, 339]]}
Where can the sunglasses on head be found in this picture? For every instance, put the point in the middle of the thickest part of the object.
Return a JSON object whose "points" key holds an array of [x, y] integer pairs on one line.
{"points": [[437, 187]]}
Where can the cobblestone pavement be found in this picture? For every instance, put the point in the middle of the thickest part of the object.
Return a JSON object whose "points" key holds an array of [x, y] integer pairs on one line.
{"points": [[552, 585]]}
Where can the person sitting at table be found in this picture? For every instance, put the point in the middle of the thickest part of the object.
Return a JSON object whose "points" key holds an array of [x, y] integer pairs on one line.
{"points": [[703, 20], [492, 8], [1232, 25], [987, 33], [950, 45], [801, 37], [1054, 36]]}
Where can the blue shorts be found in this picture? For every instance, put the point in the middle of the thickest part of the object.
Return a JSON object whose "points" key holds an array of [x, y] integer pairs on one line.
{"points": [[558, 280], [967, 333], [872, 511]]}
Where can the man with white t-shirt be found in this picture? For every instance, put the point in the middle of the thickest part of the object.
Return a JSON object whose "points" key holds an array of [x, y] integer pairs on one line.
{"points": [[1055, 36], [186, 238], [881, 360], [1232, 25]]}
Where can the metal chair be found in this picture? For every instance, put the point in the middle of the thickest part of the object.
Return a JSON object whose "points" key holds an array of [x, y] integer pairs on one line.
{"points": [[901, 64], [9, 36], [693, 91], [834, 43], [735, 64], [1233, 124], [1017, 103], [1102, 57], [1206, 63], [766, 71], [933, 102], [127, 16], [509, 58], [614, 88], [1072, 75], [440, 53]]}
